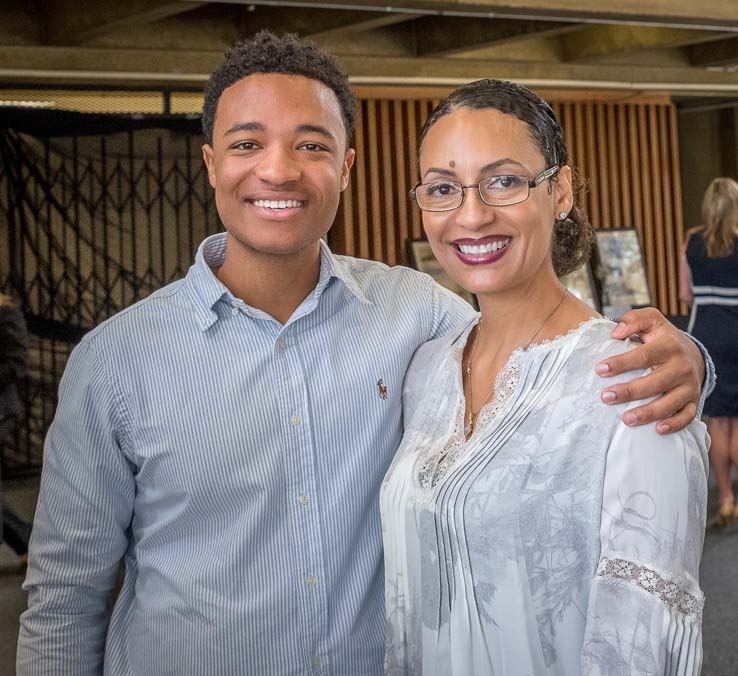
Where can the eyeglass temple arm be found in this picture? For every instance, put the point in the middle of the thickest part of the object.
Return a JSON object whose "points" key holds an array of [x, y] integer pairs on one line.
{"points": [[543, 176]]}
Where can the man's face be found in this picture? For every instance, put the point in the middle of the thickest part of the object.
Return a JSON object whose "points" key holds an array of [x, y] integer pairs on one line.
{"points": [[278, 162]]}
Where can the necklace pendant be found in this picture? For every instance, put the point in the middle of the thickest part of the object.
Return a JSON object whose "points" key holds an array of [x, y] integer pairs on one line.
{"points": [[469, 425]]}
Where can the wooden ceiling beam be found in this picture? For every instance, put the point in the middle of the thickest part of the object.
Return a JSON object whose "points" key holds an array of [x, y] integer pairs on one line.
{"points": [[70, 22], [445, 36], [722, 53], [311, 22], [66, 65], [714, 14], [600, 42], [360, 22]]}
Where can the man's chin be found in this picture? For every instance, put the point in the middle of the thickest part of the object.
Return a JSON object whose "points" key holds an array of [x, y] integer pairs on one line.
{"points": [[279, 249]]}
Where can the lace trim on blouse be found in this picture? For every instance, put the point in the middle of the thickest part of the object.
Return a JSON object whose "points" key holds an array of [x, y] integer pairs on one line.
{"points": [[436, 465], [669, 592]]}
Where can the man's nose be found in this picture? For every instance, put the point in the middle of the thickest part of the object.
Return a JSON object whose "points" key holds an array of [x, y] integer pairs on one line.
{"points": [[278, 165]]}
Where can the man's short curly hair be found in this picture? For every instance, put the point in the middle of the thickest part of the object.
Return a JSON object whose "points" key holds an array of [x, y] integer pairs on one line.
{"points": [[287, 54]]}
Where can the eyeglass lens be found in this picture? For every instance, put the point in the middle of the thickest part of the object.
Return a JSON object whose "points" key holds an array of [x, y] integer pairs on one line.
{"points": [[494, 190]]}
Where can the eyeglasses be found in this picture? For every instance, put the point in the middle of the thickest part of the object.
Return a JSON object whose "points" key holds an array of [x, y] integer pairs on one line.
{"points": [[495, 191]]}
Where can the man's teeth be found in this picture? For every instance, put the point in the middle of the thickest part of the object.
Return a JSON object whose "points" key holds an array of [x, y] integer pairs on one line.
{"points": [[479, 249], [278, 204]]}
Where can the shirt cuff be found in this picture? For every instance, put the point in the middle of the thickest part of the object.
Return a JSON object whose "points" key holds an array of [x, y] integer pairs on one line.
{"points": [[710, 377]]}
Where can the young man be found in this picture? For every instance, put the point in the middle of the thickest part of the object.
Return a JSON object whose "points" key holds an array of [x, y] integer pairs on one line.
{"points": [[227, 436]]}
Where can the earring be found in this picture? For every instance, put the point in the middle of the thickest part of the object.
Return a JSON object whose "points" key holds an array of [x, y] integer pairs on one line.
{"points": [[563, 215]]}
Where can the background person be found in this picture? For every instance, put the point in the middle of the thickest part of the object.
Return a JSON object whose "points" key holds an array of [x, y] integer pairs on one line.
{"points": [[527, 530], [13, 362], [708, 281]]}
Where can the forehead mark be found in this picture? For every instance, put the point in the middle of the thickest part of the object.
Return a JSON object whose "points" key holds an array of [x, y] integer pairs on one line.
{"points": [[452, 164]]}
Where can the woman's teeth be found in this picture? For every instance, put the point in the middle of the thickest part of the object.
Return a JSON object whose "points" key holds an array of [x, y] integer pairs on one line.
{"points": [[278, 204], [479, 249]]}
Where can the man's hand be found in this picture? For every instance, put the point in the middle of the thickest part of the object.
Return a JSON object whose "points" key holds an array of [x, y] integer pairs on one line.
{"points": [[678, 372]]}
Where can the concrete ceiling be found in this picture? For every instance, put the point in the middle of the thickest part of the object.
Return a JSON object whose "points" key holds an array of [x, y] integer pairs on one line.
{"points": [[683, 47]]}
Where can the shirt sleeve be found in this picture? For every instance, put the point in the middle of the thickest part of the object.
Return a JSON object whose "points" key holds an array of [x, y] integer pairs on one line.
{"points": [[710, 378], [81, 527], [449, 311], [645, 607]]}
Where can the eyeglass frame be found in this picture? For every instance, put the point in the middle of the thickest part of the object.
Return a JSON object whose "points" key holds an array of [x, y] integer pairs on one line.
{"points": [[532, 183]]}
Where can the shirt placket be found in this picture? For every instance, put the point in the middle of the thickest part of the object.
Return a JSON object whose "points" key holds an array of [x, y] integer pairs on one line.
{"points": [[302, 491]]}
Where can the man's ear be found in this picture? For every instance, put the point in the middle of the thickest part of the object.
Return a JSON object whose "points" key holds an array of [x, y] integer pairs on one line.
{"points": [[207, 156], [348, 162]]}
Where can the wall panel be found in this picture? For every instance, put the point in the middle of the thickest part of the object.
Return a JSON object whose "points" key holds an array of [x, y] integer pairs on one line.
{"points": [[625, 146]]}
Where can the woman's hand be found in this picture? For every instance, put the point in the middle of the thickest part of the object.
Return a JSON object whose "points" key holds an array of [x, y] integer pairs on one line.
{"points": [[677, 375]]}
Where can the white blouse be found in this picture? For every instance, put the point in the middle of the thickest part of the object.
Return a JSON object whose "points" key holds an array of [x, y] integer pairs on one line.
{"points": [[556, 540]]}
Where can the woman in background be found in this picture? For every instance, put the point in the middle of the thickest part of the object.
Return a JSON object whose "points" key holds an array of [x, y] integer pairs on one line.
{"points": [[526, 529], [708, 281]]}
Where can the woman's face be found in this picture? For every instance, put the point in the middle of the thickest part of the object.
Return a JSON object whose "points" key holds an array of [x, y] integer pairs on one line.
{"points": [[467, 146]]}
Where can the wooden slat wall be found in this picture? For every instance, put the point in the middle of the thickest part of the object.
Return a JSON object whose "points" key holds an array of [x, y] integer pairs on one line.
{"points": [[626, 146]]}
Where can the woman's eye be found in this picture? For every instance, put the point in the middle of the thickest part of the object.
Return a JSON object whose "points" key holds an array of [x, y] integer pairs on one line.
{"points": [[442, 189], [505, 182]]}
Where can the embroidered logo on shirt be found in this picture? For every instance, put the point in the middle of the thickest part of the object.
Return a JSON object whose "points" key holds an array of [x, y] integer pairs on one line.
{"points": [[382, 389]]}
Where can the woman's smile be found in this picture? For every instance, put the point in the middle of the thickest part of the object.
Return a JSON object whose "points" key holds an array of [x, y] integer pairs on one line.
{"points": [[481, 251]]}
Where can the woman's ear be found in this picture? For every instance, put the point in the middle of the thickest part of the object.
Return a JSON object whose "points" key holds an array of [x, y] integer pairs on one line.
{"points": [[564, 190]]}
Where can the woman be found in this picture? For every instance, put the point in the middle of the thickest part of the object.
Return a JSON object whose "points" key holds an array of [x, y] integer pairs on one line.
{"points": [[526, 529], [708, 281]]}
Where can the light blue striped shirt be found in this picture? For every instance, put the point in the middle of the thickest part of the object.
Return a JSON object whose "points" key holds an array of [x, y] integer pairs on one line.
{"points": [[234, 463]]}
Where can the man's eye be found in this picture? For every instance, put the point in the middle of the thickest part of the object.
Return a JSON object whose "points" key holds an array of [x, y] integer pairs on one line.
{"points": [[442, 189], [313, 147], [244, 145]]}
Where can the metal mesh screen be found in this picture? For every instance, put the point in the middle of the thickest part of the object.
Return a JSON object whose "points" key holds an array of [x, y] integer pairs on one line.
{"points": [[98, 212]]}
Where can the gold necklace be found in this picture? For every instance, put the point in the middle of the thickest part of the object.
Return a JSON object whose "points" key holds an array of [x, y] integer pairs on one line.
{"points": [[471, 418]]}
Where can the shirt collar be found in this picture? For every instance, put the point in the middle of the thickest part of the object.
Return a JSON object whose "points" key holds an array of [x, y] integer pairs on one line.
{"points": [[207, 290], [334, 266]]}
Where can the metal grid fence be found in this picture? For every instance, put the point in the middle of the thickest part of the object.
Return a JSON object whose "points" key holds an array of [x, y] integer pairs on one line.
{"points": [[98, 211]]}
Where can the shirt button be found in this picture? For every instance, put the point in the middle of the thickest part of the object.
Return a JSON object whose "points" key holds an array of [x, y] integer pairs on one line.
{"points": [[234, 310], [304, 499], [282, 344], [316, 662], [311, 580], [295, 419]]}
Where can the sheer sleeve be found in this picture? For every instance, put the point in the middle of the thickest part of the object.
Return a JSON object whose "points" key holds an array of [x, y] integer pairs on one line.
{"points": [[645, 607]]}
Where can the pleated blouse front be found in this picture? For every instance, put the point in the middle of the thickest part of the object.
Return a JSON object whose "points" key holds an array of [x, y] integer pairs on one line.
{"points": [[556, 540]]}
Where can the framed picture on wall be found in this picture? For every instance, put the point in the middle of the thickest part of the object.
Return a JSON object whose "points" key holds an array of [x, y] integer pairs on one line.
{"points": [[621, 271], [422, 259], [581, 284]]}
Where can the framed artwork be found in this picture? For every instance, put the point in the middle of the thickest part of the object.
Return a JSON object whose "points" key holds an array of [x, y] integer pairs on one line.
{"points": [[422, 259], [581, 284], [621, 271]]}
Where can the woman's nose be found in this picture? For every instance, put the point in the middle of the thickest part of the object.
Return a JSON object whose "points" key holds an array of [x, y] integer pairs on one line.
{"points": [[473, 212]]}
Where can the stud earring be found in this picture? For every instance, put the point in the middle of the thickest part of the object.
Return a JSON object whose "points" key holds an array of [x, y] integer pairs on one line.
{"points": [[563, 215]]}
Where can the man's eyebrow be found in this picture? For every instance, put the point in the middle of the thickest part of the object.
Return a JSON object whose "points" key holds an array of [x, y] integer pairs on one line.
{"points": [[246, 126], [315, 129]]}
